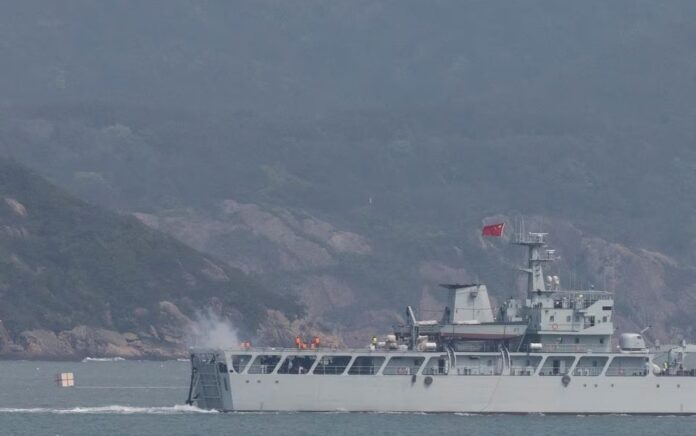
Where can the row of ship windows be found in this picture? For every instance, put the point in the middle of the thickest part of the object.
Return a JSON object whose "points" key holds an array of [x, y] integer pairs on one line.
{"points": [[588, 319], [466, 365]]}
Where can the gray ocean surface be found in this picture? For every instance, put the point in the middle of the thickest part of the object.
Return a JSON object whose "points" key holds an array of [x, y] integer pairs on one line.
{"points": [[147, 398]]}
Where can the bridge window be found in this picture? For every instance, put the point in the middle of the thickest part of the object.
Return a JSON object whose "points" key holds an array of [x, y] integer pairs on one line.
{"points": [[590, 366], [264, 364], [403, 365], [297, 364], [332, 365], [366, 365], [240, 361]]}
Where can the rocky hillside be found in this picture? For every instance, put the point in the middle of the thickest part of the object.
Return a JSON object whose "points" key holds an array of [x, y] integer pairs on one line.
{"points": [[78, 280], [298, 253]]}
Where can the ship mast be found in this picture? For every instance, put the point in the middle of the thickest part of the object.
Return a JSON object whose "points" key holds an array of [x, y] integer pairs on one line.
{"points": [[535, 259]]}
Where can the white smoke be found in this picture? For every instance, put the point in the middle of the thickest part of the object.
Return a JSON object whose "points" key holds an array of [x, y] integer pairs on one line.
{"points": [[209, 330]]}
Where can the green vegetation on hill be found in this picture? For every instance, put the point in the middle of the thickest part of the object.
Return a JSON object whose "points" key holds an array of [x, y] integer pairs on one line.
{"points": [[64, 262]]}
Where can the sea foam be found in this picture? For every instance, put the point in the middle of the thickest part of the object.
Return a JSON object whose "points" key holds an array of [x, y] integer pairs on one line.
{"points": [[103, 359], [111, 410]]}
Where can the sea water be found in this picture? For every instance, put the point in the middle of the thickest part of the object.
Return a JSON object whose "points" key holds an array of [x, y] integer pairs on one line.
{"points": [[147, 398]]}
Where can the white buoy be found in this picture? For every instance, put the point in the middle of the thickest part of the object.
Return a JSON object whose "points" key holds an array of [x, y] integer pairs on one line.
{"points": [[65, 379]]}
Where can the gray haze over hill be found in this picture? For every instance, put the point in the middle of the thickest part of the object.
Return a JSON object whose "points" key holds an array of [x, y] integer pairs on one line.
{"points": [[347, 153]]}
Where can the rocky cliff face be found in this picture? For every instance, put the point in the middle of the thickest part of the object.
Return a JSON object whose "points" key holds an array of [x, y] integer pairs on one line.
{"points": [[302, 254], [293, 253]]}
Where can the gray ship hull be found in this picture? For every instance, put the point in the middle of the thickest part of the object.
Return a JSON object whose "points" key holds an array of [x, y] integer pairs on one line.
{"points": [[229, 390], [471, 394]]}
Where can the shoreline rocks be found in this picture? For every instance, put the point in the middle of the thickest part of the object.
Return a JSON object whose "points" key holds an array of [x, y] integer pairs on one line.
{"points": [[83, 341]]}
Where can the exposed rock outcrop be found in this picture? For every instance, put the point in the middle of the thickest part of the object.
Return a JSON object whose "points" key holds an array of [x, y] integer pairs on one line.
{"points": [[164, 341], [83, 341]]}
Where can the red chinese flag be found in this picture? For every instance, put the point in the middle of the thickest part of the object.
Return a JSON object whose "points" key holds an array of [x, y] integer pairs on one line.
{"points": [[493, 230]]}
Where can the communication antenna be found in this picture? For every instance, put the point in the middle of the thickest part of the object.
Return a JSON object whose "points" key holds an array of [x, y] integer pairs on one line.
{"points": [[522, 231]]}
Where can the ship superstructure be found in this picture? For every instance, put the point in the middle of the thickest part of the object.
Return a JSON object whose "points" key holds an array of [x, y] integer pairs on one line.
{"points": [[550, 352]]}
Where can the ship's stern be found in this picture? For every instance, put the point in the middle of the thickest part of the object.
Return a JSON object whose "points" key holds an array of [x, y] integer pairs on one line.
{"points": [[209, 386]]}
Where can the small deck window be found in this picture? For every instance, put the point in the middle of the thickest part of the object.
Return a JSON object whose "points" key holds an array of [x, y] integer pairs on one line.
{"points": [[264, 364], [557, 365], [524, 365], [403, 365], [240, 361], [332, 365], [625, 366], [590, 366], [474, 364], [438, 365], [366, 365], [300, 364]]}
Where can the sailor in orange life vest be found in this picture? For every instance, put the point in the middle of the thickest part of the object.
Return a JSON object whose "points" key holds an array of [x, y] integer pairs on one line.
{"points": [[314, 344]]}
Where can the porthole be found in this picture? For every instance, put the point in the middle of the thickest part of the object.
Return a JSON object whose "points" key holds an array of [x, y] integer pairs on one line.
{"points": [[658, 386]]}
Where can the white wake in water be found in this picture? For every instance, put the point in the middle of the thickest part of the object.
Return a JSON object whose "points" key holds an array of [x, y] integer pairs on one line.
{"points": [[112, 410], [103, 359]]}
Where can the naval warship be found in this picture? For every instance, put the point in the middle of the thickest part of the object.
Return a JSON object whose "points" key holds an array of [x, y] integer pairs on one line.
{"points": [[553, 351]]}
